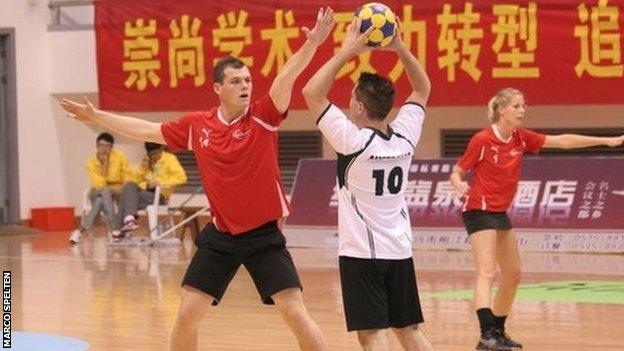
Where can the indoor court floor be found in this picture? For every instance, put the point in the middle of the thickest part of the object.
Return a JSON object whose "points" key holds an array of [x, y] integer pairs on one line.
{"points": [[126, 298]]}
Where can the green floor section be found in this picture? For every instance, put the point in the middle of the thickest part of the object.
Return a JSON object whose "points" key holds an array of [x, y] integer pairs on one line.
{"points": [[568, 291]]}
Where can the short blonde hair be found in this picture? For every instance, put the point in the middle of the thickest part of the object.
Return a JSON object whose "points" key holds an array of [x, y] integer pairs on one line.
{"points": [[501, 99]]}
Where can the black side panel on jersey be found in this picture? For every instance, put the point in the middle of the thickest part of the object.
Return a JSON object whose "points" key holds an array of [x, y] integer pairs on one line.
{"points": [[343, 163], [406, 139]]}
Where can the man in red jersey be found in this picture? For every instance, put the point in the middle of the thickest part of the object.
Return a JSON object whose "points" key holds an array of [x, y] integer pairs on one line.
{"points": [[235, 145], [495, 156]]}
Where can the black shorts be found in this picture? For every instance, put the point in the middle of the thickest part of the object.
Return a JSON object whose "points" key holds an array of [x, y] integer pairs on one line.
{"points": [[378, 294], [261, 250], [476, 220]]}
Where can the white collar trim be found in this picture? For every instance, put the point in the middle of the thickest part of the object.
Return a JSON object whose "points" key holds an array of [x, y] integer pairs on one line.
{"points": [[498, 135], [220, 116]]}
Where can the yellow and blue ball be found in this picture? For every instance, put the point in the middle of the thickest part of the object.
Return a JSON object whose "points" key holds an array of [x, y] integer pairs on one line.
{"points": [[382, 19]]}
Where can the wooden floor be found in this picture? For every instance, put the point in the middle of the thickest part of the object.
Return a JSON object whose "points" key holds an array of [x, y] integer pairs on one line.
{"points": [[127, 298]]}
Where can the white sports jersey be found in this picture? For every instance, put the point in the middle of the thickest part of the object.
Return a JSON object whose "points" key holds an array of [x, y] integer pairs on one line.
{"points": [[372, 171]]}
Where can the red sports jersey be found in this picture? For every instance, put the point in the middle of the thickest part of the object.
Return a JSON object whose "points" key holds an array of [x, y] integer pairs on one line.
{"points": [[496, 164], [237, 163]]}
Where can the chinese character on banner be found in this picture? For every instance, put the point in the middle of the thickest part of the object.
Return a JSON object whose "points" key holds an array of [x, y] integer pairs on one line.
{"points": [[604, 189], [186, 52], [417, 193], [280, 50], [443, 240], [359, 64], [583, 213], [515, 25], [599, 206], [444, 195], [452, 39], [141, 53], [586, 201], [410, 28], [232, 35], [559, 193], [598, 209], [527, 194], [599, 35]]}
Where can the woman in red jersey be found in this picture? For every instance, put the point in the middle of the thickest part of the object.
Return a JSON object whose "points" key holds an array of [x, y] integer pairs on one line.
{"points": [[495, 156]]}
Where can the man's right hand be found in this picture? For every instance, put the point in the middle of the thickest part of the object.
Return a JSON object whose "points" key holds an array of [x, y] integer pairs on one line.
{"points": [[397, 44], [355, 42], [81, 112]]}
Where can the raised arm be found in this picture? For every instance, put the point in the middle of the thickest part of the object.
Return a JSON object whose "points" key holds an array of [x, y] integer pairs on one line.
{"points": [[421, 86], [575, 141], [131, 127], [316, 90], [281, 89]]}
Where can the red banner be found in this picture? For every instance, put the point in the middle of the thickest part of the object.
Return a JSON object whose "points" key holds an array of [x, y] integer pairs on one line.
{"points": [[158, 55]]}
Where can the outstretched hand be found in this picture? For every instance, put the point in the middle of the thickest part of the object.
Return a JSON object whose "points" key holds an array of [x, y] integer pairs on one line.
{"points": [[615, 141], [355, 42], [81, 112], [324, 24]]}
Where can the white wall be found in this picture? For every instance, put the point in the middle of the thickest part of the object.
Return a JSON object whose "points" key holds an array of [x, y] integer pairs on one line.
{"points": [[41, 180], [72, 61]]}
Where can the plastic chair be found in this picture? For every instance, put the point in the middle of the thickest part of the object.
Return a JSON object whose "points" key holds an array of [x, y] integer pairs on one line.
{"points": [[153, 211]]}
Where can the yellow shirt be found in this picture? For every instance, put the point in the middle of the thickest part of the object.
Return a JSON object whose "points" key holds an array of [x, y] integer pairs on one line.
{"points": [[167, 172], [119, 170]]}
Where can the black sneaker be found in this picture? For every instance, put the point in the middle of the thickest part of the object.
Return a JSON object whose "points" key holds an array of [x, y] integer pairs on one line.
{"points": [[491, 341], [506, 340]]}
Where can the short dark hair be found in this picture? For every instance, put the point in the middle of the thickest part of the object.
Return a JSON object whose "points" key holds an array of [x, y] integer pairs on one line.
{"points": [[149, 146], [376, 93], [222, 64], [106, 137]]}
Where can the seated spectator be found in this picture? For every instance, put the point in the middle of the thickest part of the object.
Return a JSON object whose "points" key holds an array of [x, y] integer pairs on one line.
{"points": [[108, 170], [158, 169]]}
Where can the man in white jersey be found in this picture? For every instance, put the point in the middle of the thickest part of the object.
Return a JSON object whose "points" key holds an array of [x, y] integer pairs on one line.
{"points": [[374, 156]]}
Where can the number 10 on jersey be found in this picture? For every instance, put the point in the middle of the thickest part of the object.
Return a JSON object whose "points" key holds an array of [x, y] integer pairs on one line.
{"points": [[394, 181]]}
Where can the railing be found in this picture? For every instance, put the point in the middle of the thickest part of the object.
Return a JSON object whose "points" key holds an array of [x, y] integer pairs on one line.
{"points": [[69, 15]]}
